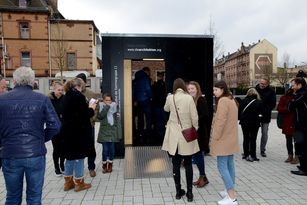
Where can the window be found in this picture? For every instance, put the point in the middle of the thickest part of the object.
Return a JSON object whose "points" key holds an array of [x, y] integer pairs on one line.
{"points": [[24, 30], [71, 61], [25, 59]]}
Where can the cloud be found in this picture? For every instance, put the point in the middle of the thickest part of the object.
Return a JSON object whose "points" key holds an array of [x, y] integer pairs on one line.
{"points": [[235, 21]]}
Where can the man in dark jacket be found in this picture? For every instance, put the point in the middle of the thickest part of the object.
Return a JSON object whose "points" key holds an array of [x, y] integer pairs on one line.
{"points": [[299, 105], [28, 120], [142, 94], [268, 97]]}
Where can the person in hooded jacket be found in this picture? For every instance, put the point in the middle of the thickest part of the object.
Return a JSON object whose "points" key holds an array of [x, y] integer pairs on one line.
{"points": [[250, 114]]}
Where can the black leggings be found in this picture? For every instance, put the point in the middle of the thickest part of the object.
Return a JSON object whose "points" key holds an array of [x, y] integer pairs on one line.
{"points": [[177, 160]]}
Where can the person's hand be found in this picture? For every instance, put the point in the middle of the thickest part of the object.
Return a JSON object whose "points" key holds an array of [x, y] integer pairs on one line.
{"points": [[93, 105]]}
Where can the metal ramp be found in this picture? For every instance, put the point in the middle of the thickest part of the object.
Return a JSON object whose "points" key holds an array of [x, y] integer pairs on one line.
{"points": [[146, 162]]}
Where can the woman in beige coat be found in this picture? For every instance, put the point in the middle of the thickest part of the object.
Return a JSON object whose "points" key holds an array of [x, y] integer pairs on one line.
{"points": [[224, 139], [174, 142]]}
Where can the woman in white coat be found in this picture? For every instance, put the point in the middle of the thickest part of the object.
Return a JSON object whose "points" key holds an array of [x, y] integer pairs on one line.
{"points": [[174, 142]]}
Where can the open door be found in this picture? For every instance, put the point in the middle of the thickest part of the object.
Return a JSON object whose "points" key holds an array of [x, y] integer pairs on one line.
{"points": [[127, 103]]}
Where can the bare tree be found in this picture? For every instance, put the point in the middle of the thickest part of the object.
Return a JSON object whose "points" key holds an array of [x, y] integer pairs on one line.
{"points": [[283, 74], [58, 48], [218, 47]]}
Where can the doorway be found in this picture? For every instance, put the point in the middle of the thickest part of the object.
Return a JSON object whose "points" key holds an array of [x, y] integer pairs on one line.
{"points": [[145, 120]]}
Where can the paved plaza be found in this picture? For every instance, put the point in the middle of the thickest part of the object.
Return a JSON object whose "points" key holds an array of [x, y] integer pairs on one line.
{"points": [[265, 182]]}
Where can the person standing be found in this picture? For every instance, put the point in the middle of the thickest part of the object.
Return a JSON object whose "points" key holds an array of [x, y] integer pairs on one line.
{"points": [[203, 136], [288, 124], [299, 105], [56, 97], [224, 139], [158, 100], [250, 114], [89, 94], [142, 96], [77, 133], [181, 107], [28, 120], [268, 97], [109, 131]]}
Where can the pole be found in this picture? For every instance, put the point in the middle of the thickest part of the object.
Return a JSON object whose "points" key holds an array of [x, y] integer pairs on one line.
{"points": [[3, 56]]}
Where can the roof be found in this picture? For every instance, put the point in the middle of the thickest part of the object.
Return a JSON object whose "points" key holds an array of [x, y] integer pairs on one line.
{"points": [[156, 35], [32, 6]]}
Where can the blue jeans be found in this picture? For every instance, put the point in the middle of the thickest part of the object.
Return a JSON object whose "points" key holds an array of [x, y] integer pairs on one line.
{"points": [[225, 165], [108, 150], [74, 168], [14, 171], [264, 136], [199, 160]]}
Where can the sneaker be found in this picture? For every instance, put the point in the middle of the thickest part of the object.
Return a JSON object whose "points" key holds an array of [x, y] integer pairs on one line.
{"points": [[228, 201], [223, 193], [263, 154], [250, 159], [58, 173]]}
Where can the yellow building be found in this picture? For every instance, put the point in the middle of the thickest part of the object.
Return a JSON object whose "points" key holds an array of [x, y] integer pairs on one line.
{"points": [[34, 33], [247, 65]]}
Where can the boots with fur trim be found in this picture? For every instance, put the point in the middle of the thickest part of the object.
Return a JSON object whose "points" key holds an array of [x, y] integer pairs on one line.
{"points": [[81, 185], [69, 183]]}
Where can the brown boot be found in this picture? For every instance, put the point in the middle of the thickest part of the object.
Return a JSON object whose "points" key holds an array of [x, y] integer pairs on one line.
{"points": [[69, 183], [289, 159], [197, 182], [109, 166], [202, 182], [104, 167], [81, 185], [295, 160]]}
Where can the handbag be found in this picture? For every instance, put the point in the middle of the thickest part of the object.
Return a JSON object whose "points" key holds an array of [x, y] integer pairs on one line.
{"points": [[190, 134], [299, 136]]}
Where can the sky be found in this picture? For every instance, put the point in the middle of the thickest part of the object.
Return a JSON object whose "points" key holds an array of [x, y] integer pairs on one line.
{"points": [[281, 22]]}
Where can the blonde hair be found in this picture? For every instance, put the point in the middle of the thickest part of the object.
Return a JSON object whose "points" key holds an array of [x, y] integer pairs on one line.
{"points": [[253, 92]]}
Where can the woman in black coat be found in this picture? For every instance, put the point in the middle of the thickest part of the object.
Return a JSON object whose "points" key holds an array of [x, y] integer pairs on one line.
{"points": [[203, 136], [76, 130], [250, 113]]}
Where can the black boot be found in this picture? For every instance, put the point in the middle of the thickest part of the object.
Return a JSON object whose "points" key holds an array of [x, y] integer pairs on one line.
{"points": [[179, 192], [189, 179], [189, 195]]}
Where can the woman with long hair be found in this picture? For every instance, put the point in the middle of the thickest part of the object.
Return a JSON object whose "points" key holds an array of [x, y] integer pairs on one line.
{"points": [[77, 131], [183, 115], [203, 136], [288, 125], [224, 139]]}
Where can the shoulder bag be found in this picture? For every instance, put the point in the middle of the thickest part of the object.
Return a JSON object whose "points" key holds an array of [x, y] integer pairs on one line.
{"points": [[189, 134]]}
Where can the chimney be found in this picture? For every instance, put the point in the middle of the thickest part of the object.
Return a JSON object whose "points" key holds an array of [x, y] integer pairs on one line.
{"points": [[22, 3]]}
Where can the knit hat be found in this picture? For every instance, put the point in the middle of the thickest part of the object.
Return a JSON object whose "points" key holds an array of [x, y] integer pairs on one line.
{"points": [[82, 76]]}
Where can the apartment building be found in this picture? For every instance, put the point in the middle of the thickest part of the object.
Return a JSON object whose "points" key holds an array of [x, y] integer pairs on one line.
{"points": [[247, 65], [34, 33]]}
